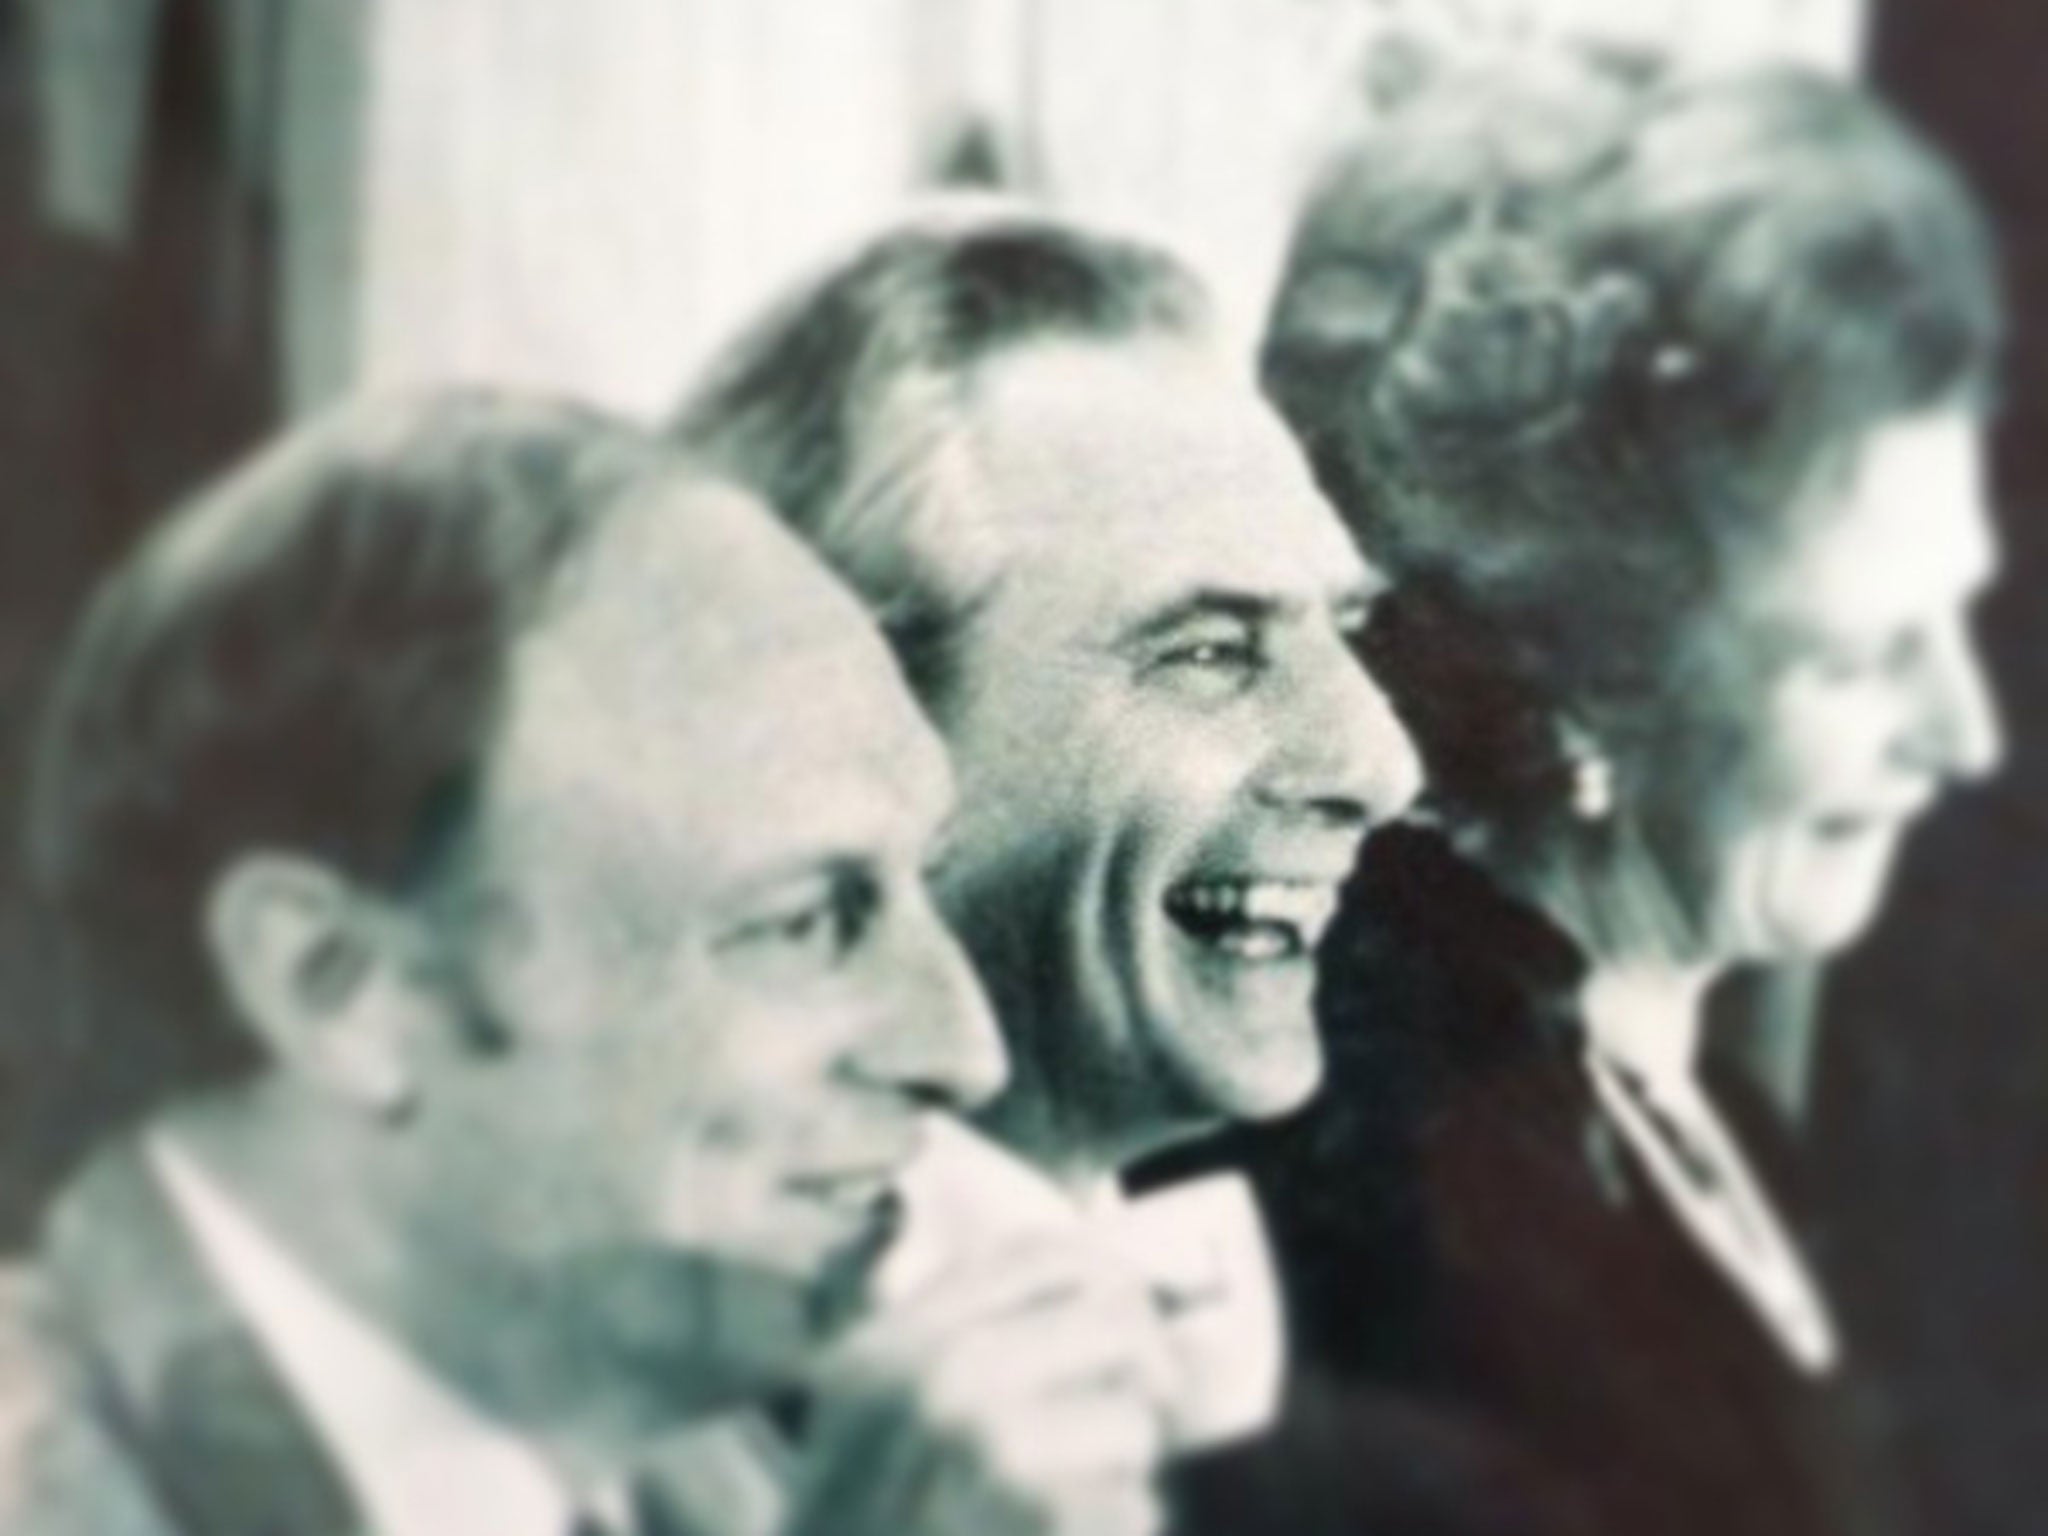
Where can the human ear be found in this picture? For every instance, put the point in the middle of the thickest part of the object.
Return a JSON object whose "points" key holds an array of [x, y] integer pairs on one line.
{"points": [[311, 963]]}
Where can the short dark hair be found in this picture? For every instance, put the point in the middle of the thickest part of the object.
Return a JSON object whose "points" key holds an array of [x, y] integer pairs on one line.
{"points": [[839, 408], [1568, 349], [308, 657]]}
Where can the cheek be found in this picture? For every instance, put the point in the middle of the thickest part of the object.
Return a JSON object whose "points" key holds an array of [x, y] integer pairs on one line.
{"points": [[1818, 752], [1085, 742], [608, 1066], [999, 713], [1795, 893], [716, 1066], [1781, 756], [1722, 804], [1173, 774], [1784, 878], [534, 1156], [702, 1126]]}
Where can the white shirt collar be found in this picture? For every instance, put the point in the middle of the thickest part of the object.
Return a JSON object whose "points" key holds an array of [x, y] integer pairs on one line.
{"points": [[1648, 1021], [1695, 1165], [419, 1460]]}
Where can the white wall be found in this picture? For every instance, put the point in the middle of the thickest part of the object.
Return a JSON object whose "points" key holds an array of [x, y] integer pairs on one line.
{"points": [[588, 196], [581, 196]]}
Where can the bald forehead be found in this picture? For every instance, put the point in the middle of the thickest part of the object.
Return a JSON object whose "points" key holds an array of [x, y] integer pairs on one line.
{"points": [[699, 643], [1076, 390], [708, 714], [1138, 456], [693, 573]]}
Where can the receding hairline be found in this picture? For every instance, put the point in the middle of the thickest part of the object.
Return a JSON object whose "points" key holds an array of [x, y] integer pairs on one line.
{"points": [[843, 406]]}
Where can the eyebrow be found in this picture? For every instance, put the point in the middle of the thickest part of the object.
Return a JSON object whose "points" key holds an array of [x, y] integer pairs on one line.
{"points": [[838, 860], [1349, 604], [826, 866], [1209, 603]]}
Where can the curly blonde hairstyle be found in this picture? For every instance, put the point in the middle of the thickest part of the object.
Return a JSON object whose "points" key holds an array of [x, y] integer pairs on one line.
{"points": [[1568, 353]]}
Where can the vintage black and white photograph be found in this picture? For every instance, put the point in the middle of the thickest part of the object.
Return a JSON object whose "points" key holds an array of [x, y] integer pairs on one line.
{"points": [[1023, 768]]}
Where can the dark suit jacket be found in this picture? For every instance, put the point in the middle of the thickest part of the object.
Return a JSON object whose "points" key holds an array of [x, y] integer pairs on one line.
{"points": [[158, 1414], [1498, 1325], [152, 1410]]}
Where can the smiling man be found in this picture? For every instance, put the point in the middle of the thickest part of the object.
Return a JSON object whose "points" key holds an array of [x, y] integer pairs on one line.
{"points": [[1128, 609], [513, 1019]]}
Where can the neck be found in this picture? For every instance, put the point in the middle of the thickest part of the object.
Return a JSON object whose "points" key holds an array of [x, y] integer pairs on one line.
{"points": [[318, 1184], [1647, 1016], [278, 1155], [1647, 982]]}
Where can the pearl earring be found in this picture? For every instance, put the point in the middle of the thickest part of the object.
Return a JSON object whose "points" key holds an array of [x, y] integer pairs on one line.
{"points": [[1593, 787]]}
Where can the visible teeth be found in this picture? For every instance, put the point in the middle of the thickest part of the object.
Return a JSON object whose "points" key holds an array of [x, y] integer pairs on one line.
{"points": [[1306, 907], [1300, 910], [1263, 943]]}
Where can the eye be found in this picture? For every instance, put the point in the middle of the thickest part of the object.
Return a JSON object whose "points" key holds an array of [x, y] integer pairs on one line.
{"points": [[1212, 664], [811, 932], [1843, 665], [1354, 620], [1904, 652], [1874, 659], [1213, 653]]}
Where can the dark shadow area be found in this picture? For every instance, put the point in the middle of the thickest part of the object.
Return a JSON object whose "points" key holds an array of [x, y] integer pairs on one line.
{"points": [[129, 373], [1933, 1116]]}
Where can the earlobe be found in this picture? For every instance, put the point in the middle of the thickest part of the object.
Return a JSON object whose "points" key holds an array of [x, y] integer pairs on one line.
{"points": [[307, 962], [1592, 772]]}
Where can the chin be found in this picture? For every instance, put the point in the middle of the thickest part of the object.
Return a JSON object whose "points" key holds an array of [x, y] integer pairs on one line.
{"points": [[1824, 940], [1264, 1084], [1827, 921], [1846, 912], [718, 1330], [1243, 1046], [1817, 903]]}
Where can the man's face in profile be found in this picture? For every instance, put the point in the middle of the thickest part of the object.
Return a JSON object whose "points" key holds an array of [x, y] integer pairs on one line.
{"points": [[695, 915], [1166, 750]]}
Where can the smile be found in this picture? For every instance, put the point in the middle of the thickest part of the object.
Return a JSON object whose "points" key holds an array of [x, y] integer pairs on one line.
{"points": [[865, 1200], [1855, 828], [1254, 920]]}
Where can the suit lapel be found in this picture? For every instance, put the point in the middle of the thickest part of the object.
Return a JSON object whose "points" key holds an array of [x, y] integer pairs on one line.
{"points": [[181, 1378], [728, 1476]]}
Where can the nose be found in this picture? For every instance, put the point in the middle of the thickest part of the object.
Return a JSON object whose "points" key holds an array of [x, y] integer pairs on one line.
{"points": [[1341, 750], [1960, 728], [935, 1038]]}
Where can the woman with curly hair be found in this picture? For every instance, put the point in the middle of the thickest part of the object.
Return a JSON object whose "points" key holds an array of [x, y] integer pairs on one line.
{"points": [[1660, 404]]}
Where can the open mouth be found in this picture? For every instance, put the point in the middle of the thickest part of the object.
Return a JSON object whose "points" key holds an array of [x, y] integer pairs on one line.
{"points": [[866, 1216], [1253, 920], [859, 1196], [1855, 828]]}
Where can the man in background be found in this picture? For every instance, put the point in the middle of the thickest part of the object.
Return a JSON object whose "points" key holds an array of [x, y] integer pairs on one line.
{"points": [[1120, 597]]}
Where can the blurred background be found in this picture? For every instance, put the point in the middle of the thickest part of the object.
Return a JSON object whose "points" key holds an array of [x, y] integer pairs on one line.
{"points": [[216, 215]]}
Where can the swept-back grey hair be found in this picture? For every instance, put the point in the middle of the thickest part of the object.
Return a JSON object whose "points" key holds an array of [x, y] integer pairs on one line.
{"points": [[844, 407], [1568, 357]]}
